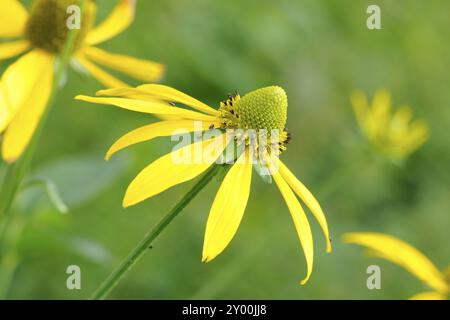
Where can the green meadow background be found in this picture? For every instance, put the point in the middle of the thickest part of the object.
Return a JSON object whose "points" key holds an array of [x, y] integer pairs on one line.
{"points": [[318, 51]]}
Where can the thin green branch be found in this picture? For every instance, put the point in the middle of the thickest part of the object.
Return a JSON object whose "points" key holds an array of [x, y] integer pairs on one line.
{"points": [[17, 171], [137, 253]]}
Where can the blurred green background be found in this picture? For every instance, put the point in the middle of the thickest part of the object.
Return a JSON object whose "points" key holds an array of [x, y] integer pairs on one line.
{"points": [[319, 51]]}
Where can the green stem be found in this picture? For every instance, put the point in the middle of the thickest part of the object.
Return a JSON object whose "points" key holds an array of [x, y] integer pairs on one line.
{"points": [[17, 171], [10, 259], [137, 253], [8, 267]]}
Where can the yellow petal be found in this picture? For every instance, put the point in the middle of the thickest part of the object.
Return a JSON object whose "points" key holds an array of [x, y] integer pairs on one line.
{"points": [[431, 295], [308, 198], [148, 106], [12, 49], [105, 78], [173, 95], [6, 113], [17, 84], [134, 93], [159, 92], [402, 117], [13, 18], [418, 134], [128, 92], [119, 19], [360, 107], [228, 208], [400, 253], [165, 172], [159, 129], [299, 217], [381, 107], [27, 86], [381, 103], [140, 69]]}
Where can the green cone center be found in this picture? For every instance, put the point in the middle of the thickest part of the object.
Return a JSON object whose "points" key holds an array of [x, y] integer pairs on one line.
{"points": [[48, 25], [265, 108]]}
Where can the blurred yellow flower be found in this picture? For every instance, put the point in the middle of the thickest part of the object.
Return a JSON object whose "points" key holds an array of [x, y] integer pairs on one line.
{"points": [[406, 256], [26, 85], [262, 109], [392, 133]]}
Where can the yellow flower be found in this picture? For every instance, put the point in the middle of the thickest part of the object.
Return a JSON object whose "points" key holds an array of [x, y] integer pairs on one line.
{"points": [[393, 134], [264, 110], [26, 85], [406, 256]]}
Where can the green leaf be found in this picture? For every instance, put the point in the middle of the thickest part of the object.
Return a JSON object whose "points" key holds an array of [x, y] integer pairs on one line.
{"points": [[52, 191], [72, 181], [88, 249]]}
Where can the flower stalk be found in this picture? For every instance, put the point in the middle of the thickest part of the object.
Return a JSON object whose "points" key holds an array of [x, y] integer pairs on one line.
{"points": [[136, 254], [16, 171]]}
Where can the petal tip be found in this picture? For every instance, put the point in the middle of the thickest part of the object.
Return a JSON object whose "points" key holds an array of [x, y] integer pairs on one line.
{"points": [[8, 156], [10, 160], [160, 73], [126, 202], [81, 97], [328, 245], [129, 199], [208, 257], [304, 281], [101, 93], [108, 156], [347, 238]]}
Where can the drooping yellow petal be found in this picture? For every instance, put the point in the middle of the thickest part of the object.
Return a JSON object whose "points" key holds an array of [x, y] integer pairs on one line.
{"points": [[26, 86], [13, 18], [12, 49], [400, 253], [299, 217], [119, 19], [105, 78], [308, 198], [126, 92], [430, 295], [140, 69], [173, 95], [174, 168], [159, 92], [148, 106], [132, 93], [228, 208], [17, 84], [159, 129]]}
